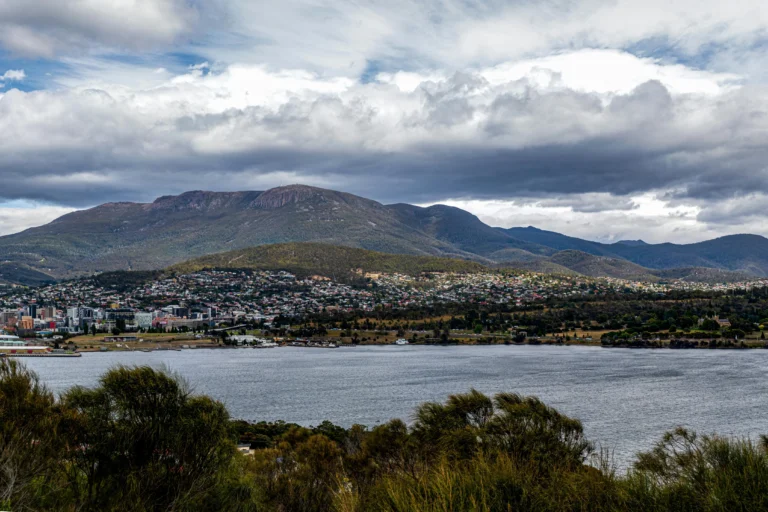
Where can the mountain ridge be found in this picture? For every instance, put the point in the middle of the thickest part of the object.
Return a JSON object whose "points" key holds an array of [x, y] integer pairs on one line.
{"points": [[173, 229]]}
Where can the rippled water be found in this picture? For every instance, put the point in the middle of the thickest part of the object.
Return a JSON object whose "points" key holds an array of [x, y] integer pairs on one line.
{"points": [[625, 398]]}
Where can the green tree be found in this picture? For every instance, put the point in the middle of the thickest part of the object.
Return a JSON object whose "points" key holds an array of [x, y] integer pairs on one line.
{"points": [[30, 446], [151, 445]]}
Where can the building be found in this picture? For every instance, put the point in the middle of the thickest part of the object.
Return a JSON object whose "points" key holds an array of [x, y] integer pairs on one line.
{"points": [[12, 345], [143, 320], [26, 323], [8, 318], [180, 312]]}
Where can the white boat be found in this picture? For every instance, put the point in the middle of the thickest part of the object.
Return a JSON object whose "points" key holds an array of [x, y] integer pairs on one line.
{"points": [[401, 341]]}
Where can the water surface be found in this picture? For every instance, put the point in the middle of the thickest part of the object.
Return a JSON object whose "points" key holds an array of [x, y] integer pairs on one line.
{"points": [[625, 398]]}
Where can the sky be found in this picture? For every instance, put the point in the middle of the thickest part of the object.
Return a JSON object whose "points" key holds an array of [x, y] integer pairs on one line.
{"points": [[602, 119]]}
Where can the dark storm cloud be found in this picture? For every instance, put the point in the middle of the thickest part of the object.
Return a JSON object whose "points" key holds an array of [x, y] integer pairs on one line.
{"points": [[456, 138]]}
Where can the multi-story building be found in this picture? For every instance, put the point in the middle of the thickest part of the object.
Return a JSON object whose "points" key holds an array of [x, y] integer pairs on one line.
{"points": [[143, 320], [26, 323], [8, 318]]}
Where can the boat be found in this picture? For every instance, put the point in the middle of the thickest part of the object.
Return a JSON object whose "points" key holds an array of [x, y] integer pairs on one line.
{"points": [[401, 341]]}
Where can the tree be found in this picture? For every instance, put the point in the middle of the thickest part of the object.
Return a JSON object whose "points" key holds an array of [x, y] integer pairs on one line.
{"points": [[29, 444], [521, 427], [151, 445]]}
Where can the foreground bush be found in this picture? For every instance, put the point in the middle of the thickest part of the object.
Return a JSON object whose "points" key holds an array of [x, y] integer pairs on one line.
{"points": [[687, 472], [140, 441]]}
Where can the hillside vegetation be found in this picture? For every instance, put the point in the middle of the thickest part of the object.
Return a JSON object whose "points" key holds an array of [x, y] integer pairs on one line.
{"points": [[339, 263], [11, 273]]}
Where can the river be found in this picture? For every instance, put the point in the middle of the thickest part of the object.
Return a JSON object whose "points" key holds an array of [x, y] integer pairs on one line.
{"points": [[625, 398]]}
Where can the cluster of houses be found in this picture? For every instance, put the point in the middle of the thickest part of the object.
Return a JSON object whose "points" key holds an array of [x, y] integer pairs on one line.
{"points": [[205, 299]]}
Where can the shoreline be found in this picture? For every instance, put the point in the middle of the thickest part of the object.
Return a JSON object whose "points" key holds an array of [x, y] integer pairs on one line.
{"points": [[436, 345]]}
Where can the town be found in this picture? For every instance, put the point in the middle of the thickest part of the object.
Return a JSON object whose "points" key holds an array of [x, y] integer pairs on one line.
{"points": [[218, 300]]}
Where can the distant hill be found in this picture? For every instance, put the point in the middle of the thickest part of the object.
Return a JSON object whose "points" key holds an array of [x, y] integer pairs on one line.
{"points": [[173, 229], [596, 266], [12, 273], [632, 243], [542, 266], [701, 275], [747, 254], [557, 241], [465, 231], [577, 262], [338, 263]]}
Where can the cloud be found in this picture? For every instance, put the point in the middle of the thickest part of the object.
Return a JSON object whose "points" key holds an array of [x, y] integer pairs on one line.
{"points": [[47, 28], [19, 216], [611, 219], [569, 110], [13, 74], [530, 129], [348, 37]]}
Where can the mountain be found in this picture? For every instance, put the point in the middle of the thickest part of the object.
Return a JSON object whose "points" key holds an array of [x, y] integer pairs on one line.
{"points": [[557, 241], [465, 231], [173, 229], [741, 253], [337, 262], [738, 253], [577, 262], [146, 236], [596, 266]]}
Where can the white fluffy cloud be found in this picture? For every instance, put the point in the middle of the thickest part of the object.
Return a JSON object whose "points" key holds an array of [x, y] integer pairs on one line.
{"points": [[13, 74]]}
